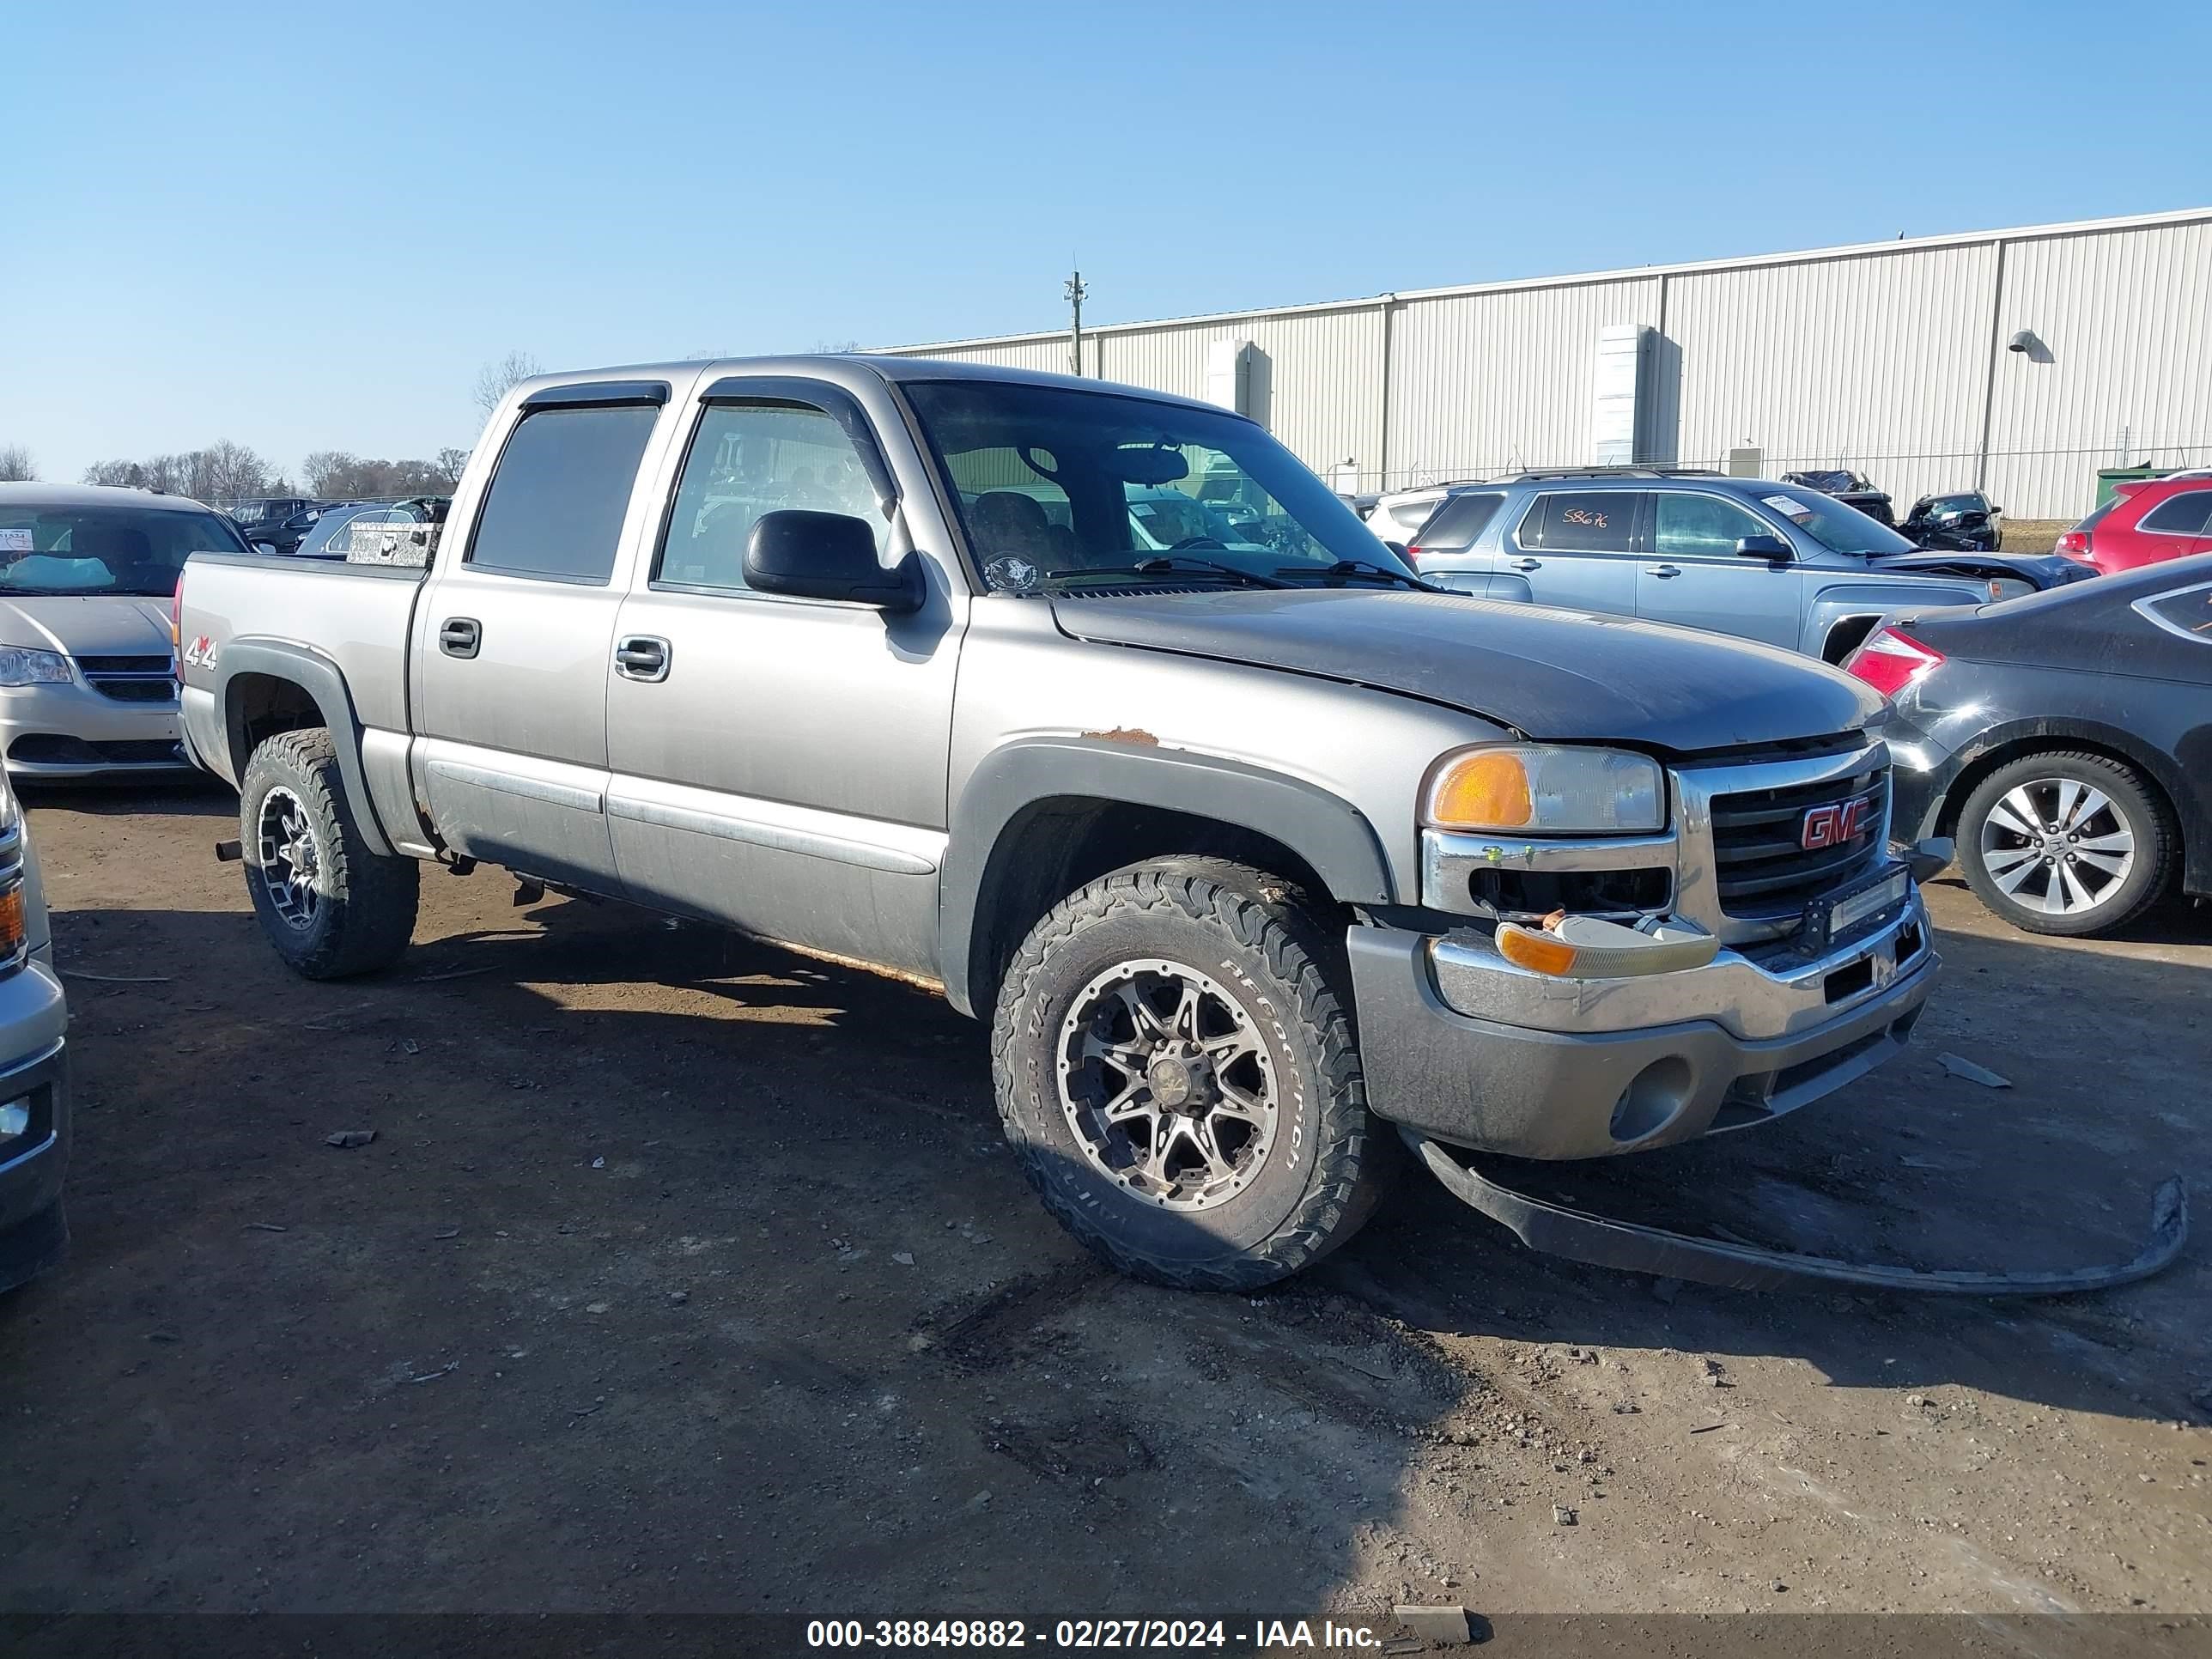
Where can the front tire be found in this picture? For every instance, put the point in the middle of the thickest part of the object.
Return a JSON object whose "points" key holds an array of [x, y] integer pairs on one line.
{"points": [[2069, 844], [331, 907], [1176, 1069]]}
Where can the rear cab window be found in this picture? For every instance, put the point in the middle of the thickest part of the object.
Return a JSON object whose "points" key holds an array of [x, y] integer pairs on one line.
{"points": [[560, 491], [1454, 526], [1581, 521]]}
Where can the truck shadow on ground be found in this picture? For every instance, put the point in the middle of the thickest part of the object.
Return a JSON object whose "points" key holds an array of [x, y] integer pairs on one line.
{"points": [[666, 1234], [1912, 1165]]}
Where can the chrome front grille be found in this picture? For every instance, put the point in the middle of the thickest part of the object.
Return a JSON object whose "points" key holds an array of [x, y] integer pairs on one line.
{"points": [[1745, 872], [1762, 869]]}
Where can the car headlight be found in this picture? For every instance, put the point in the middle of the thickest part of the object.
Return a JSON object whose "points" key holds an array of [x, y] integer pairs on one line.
{"points": [[1537, 789], [20, 666]]}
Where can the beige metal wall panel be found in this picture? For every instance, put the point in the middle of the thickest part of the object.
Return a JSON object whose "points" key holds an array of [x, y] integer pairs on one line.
{"points": [[1486, 383], [2124, 319], [1877, 362], [1322, 372], [1048, 353]]}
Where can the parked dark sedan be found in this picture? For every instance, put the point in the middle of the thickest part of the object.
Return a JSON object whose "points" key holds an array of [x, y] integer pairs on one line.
{"points": [[1848, 487], [2065, 739], [1964, 521]]}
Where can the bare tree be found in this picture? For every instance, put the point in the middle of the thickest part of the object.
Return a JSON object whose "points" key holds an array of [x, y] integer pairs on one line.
{"points": [[495, 380], [334, 475], [16, 465], [223, 471], [325, 470]]}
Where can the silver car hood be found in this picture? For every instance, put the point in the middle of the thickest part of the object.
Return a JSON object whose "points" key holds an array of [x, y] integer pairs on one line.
{"points": [[1558, 676], [88, 625]]}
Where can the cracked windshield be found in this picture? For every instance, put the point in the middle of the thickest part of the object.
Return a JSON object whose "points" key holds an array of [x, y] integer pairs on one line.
{"points": [[1060, 487]]}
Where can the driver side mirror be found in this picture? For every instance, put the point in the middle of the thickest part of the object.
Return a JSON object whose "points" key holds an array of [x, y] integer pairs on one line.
{"points": [[1770, 548], [827, 556]]}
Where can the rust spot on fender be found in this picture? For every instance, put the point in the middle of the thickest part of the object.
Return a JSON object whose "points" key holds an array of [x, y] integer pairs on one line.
{"points": [[1129, 734]]}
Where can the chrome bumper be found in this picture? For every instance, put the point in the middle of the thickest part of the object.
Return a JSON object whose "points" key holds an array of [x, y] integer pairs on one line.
{"points": [[1462, 1046]]}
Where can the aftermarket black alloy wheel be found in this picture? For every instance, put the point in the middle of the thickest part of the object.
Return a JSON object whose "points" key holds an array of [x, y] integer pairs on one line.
{"points": [[1175, 1066]]}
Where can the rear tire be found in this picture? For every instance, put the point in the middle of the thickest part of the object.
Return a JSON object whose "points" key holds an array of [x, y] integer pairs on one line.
{"points": [[2066, 843], [1234, 1147], [330, 906]]}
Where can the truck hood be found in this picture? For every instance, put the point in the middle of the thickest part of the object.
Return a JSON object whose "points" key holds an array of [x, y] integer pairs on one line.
{"points": [[1556, 676], [87, 625]]}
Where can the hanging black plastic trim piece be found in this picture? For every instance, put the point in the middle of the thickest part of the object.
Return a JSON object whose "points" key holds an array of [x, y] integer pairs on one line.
{"points": [[1557, 1230]]}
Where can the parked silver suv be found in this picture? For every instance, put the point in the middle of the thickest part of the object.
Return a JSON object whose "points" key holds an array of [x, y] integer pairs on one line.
{"points": [[1245, 841]]}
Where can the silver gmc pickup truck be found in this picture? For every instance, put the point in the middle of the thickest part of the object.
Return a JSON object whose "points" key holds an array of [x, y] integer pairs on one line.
{"points": [[1245, 841]]}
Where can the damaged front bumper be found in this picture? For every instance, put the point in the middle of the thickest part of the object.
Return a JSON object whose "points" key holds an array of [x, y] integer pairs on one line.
{"points": [[1461, 1046], [1579, 1235]]}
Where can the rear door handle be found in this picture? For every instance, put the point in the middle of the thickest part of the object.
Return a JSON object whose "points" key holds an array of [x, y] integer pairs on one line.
{"points": [[642, 656], [1662, 571], [460, 637], [1524, 564]]}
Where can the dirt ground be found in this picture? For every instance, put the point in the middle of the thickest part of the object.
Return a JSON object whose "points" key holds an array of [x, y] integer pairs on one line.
{"points": [[687, 1275]]}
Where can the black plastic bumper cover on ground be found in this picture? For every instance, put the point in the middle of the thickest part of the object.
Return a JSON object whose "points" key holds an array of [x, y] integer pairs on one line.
{"points": [[1557, 1230]]}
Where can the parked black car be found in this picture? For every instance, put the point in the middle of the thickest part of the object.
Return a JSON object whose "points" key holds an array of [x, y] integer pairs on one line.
{"points": [[284, 535], [1966, 521], [1851, 488], [2064, 738]]}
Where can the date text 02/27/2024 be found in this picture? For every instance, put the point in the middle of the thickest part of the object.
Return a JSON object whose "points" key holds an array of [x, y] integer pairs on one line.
{"points": [[1077, 1635]]}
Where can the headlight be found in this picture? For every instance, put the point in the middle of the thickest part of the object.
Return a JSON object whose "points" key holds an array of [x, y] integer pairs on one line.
{"points": [[1538, 790], [22, 667]]}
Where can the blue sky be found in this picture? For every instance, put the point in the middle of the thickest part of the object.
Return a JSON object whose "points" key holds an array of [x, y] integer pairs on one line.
{"points": [[306, 228]]}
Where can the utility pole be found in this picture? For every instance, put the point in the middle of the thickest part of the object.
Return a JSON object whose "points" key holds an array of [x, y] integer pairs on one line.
{"points": [[1076, 291]]}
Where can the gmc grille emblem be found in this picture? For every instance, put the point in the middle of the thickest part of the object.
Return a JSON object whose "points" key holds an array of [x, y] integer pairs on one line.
{"points": [[1833, 825]]}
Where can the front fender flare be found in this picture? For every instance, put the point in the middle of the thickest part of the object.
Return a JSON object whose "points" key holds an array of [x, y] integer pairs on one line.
{"points": [[323, 682], [1330, 834]]}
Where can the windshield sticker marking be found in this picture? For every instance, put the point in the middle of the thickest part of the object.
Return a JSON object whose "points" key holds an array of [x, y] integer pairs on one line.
{"points": [[15, 540], [1014, 575], [1786, 508]]}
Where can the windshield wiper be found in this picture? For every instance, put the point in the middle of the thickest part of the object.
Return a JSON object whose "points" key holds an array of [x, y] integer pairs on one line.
{"points": [[1358, 567], [1168, 564]]}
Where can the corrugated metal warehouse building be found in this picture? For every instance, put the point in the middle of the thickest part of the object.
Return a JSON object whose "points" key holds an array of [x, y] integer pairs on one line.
{"points": [[2019, 361]]}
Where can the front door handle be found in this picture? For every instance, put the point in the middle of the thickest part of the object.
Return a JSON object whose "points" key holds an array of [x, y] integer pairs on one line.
{"points": [[460, 637], [642, 656], [1524, 564], [1664, 572]]}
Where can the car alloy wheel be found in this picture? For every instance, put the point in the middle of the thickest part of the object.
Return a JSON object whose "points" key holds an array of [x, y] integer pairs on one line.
{"points": [[2057, 845]]}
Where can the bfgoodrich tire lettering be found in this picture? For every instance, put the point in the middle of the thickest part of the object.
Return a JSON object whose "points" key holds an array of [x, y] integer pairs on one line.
{"points": [[330, 906], [1190, 932]]}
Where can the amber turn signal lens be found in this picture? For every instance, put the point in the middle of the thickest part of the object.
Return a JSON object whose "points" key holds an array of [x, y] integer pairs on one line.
{"points": [[1489, 787], [1539, 953], [11, 923]]}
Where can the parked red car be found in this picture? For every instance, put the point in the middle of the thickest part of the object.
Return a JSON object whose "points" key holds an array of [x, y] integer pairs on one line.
{"points": [[2145, 523]]}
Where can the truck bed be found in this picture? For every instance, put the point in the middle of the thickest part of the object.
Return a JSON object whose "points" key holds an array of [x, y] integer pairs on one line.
{"points": [[354, 616]]}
